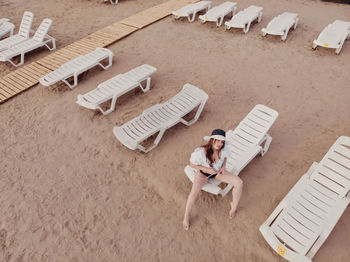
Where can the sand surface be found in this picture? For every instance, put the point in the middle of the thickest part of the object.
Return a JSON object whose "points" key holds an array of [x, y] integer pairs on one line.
{"points": [[70, 191]]}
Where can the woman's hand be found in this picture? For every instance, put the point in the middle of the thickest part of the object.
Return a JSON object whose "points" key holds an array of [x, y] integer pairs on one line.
{"points": [[222, 170]]}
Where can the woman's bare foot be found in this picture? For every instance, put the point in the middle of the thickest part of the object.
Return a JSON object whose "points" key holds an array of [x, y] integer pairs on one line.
{"points": [[232, 211], [186, 224]]}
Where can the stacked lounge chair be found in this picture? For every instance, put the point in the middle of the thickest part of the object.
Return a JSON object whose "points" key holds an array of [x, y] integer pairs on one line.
{"points": [[333, 36], [23, 32], [192, 10], [303, 220], [160, 117], [77, 66], [217, 13], [39, 39], [281, 24], [6, 27], [244, 18], [115, 87], [249, 139]]}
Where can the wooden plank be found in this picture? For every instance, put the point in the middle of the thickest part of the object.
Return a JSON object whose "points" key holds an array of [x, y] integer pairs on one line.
{"points": [[39, 68], [27, 75], [2, 97], [8, 83], [6, 90], [118, 30], [34, 72], [18, 81], [15, 81]]}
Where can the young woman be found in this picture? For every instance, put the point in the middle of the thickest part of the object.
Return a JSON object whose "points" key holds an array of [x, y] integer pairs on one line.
{"points": [[210, 160]]}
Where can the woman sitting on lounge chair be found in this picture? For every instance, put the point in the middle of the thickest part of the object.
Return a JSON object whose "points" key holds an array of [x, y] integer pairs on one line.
{"points": [[210, 162]]}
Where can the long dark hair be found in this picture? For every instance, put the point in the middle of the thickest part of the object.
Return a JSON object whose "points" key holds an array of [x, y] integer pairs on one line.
{"points": [[209, 150]]}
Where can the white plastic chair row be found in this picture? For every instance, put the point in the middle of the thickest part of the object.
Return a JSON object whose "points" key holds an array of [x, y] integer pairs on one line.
{"points": [[6, 27], [115, 87], [23, 32], [40, 38], [303, 220], [160, 117], [249, 139], [77, 66]]}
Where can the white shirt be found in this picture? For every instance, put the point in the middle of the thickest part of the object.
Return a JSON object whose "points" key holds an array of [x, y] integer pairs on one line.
{"points": [[199, 158]]}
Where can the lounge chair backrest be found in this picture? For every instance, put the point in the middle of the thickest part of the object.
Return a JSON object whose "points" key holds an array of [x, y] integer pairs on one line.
{"points": [[255, 125], [333, 172], [26, 24], [42, 30]]}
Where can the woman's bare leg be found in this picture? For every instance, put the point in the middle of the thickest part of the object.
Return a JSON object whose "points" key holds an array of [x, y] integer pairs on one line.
{"points": [[237, 184], [199, 181]]}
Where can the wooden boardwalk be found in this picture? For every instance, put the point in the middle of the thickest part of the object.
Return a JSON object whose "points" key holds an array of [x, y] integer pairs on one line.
{"points": [[28, 75]]}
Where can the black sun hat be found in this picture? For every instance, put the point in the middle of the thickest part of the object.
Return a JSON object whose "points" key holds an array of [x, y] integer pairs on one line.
{"points": [[217, 134]]}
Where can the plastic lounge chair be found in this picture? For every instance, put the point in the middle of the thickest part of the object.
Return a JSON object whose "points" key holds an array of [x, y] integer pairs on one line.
{"points": [[217, 13], [6, 27], [39, 39], [301, 223], [115, 87], [249, 139], [333, 36], [244, 18], [160, 117], [192, 9], [281, 24], [23, 33], [77, 66]]}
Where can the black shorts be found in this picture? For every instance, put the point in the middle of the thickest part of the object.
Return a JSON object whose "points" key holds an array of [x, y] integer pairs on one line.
{"points": [[209, 175]]}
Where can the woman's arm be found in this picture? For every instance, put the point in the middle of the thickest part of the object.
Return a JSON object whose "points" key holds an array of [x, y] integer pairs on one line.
{"points": [[223, 167], [204, 169]]}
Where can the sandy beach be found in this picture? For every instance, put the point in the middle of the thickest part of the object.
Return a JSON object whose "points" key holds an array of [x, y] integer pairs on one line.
{"points": [[70, 191]]}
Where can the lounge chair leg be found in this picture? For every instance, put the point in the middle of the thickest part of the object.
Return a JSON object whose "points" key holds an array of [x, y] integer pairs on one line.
{"points": [[112, 107], [296, 23], [110, 61], [193, 17], [198, 113], [156, 142], [148, 85], [268, 140], [75, 83], [21, 62], [259, 17], [246, 28], [337, 50], [220, 23], [284, 36], [53, 43]]}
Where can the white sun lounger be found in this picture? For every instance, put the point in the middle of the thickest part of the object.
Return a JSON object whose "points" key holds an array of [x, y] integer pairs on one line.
{"points": [[160, 117], [115, 87], [303, 220], [217, 13], [281, 24], [244, 18], [192, 10], [77, 66], [333, 36], [249, 139], [6, 27], [23, 33], [39, 39]]}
